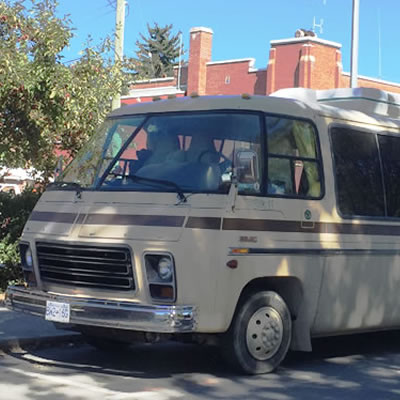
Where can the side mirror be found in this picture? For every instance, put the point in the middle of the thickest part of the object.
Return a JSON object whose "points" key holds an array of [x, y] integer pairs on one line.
{"points": [[247, 170], [59, 167]]}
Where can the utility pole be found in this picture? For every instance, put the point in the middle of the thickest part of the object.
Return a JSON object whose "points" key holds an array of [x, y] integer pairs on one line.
{"points": [[119, 43], [354, 44]]}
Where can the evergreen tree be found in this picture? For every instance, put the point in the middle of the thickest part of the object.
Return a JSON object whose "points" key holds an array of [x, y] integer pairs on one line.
{"points": [[157, 53]]}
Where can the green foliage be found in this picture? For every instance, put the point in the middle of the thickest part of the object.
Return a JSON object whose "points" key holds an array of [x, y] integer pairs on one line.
{"points": [[14, 212], [10, 270], [44, 102], [157, 53]]}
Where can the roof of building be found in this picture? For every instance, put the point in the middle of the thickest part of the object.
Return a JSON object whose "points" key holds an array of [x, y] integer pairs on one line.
{"points": [[152, 92], [304, 39]]}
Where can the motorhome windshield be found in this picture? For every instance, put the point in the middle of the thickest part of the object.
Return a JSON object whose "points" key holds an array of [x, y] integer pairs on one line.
{"points": [[98, 152], [192, 152]]}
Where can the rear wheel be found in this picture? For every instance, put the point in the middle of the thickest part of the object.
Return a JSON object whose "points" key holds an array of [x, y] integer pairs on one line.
{"points": [[260, 334]]}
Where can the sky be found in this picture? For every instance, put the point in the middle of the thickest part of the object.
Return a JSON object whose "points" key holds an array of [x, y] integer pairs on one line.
{"points": [[244, 29]]}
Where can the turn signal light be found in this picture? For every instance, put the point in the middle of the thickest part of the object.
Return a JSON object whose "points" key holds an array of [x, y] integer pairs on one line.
{"points": [[162, 292]]}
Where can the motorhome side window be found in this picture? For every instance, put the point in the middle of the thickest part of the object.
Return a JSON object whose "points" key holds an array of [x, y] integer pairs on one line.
{"points": [[294, 165], [389, 147], [358, 173]]}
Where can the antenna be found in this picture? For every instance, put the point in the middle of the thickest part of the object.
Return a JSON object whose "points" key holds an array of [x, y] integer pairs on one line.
{"points": [[320, 25], [112, 4]]}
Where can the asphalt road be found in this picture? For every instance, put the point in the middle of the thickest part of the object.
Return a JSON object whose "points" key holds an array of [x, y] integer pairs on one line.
{"points": [[357, 367]]}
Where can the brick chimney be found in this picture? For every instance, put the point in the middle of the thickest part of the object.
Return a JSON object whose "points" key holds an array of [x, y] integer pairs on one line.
{"points": [[306, 61], [199, 56]]}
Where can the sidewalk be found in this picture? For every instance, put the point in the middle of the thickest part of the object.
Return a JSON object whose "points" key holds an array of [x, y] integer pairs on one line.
{"points": [[23, 330]]}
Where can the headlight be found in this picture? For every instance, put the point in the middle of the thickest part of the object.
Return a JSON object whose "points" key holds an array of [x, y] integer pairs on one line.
{"points": [[160, 273], [29, 258], [165, 269], [26, 256], [27, 264]]}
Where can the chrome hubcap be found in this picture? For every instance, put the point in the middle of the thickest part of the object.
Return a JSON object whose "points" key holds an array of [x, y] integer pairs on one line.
{"points": [[264, 333]]}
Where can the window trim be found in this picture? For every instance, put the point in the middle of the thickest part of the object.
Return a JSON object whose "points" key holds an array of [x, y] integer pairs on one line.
{"points": [[318, 160], [392, 134], [260, 114]]}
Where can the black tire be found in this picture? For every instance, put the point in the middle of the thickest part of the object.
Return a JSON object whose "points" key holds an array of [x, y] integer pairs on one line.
{"points": [[261, 317], [106, 344]]}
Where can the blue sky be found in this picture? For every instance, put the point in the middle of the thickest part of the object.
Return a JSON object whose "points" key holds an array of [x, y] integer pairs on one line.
{"points": [[244, 29]]}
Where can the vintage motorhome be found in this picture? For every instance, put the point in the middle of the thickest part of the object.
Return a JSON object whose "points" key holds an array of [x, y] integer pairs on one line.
{"points": [[260, 222]]}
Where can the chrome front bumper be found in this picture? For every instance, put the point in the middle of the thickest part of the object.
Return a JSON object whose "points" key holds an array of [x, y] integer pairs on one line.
{"points": [[107, 313]]}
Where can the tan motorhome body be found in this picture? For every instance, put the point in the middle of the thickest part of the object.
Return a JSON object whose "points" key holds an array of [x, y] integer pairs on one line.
{"points": [[337, 275]]}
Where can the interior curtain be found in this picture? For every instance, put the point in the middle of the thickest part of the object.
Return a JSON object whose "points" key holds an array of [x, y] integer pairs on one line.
{"points": [[304, 136]]}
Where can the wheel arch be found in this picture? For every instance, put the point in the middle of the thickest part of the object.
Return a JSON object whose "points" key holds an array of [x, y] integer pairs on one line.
{"points": [[291, 290]]}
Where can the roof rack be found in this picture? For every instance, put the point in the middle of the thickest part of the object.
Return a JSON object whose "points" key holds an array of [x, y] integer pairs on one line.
{"points": [[366, 100]]}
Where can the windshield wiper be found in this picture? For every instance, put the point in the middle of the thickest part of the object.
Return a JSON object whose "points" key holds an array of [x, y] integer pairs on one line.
{"points": [[67, 185], [177, 188]]}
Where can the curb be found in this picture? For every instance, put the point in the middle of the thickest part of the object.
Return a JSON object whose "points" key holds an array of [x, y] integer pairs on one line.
{"points": [[18, 344], [40, 342]]}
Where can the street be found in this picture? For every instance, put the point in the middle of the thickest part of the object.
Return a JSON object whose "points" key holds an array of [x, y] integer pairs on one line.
{"points": [[354, 367]]}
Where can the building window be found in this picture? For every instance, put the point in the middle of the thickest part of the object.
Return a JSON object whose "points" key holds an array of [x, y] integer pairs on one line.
{"points": [[227, 80], [294, 164], [358, 173]]}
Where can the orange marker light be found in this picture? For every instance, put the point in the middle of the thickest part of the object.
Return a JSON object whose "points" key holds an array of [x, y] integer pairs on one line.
{"points": [[167, 292], [239, 251]]}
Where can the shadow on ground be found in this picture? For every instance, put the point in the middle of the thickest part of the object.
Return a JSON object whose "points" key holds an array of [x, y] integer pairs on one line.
{"points": [[359, 366]]}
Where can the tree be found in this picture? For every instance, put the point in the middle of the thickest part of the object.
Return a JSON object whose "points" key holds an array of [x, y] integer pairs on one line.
{"points": [[157, 53], [44, 102]]}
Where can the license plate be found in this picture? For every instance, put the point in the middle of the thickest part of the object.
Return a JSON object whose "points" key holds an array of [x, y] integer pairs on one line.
{"points": [[57, 312]]}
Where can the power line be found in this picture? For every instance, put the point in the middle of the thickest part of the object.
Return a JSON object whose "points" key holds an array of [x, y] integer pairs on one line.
{"points": [[70, 61]]}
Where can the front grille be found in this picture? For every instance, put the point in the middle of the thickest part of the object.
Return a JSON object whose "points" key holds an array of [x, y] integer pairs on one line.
{"points": [[88, 266]]}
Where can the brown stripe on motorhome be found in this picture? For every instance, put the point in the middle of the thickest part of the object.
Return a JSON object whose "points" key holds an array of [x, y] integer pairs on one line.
{"points": [[48, 216], [203, 223], [129, 219], [362, 229], [243, 224], [80, 219], [228, 224], [325, 252]]}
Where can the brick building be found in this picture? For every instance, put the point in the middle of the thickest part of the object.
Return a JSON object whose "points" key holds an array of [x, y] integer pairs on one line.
{"points": [[307, 61]]}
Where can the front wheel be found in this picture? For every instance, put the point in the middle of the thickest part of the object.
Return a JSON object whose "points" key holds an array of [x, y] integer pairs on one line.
{"points": [[260, 334]]}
